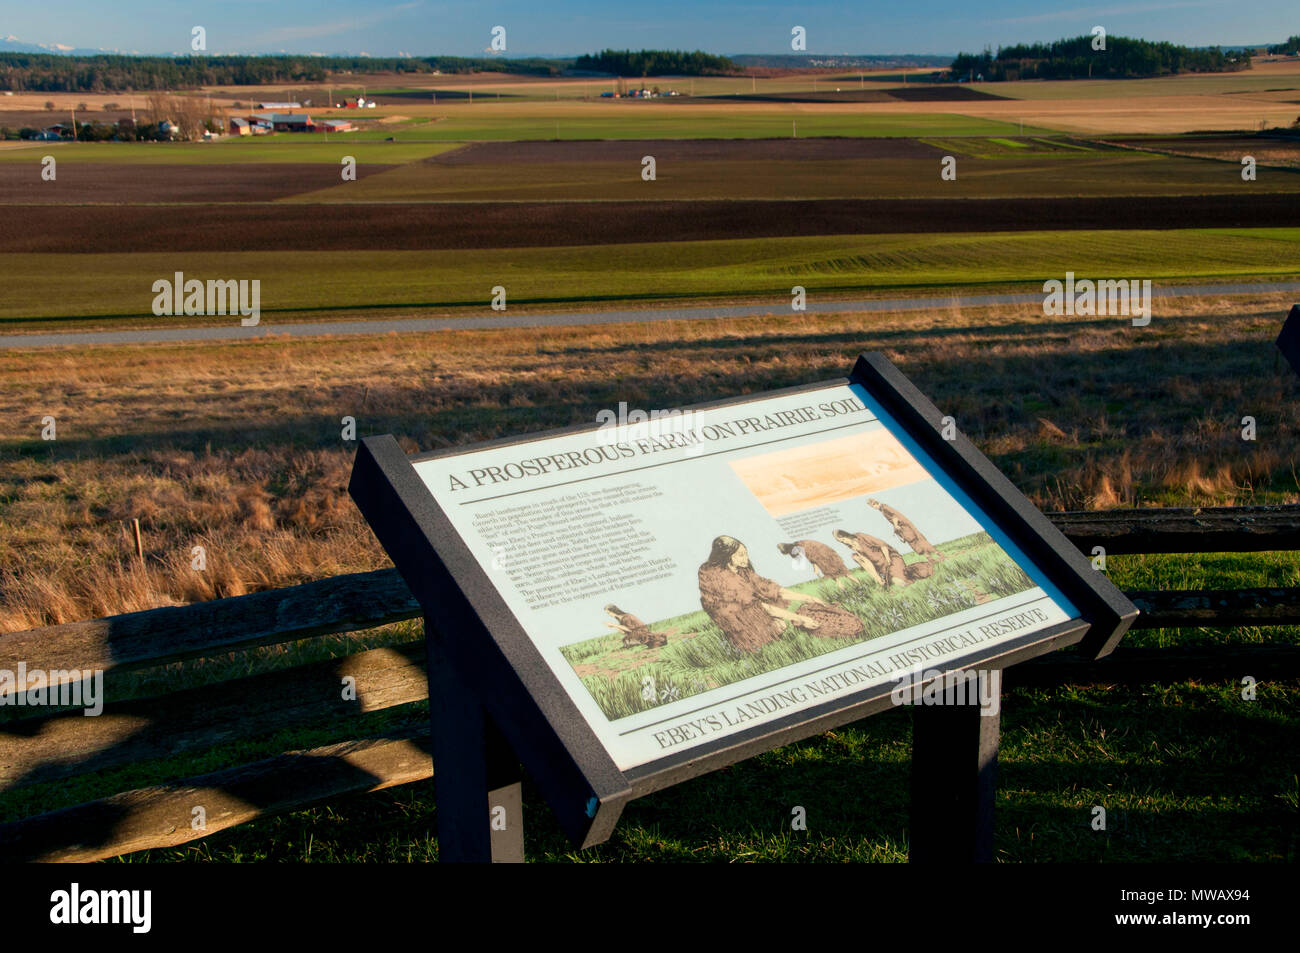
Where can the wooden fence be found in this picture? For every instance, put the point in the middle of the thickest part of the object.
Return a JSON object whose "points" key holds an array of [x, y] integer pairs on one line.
{"points": [[48, 746]]}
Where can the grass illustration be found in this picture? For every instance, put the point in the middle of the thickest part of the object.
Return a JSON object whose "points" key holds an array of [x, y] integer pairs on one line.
{"points": [[627, 680]]}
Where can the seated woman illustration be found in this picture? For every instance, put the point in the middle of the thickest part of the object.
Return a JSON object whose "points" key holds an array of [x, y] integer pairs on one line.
{"points": [[825, 561], [635, 632], [752, 610]]}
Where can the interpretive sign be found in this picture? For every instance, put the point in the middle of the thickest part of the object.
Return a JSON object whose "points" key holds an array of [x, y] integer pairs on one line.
{"points": [[647, 598]]}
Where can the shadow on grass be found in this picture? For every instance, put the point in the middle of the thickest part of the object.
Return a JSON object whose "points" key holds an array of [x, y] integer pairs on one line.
{"points": [[1187, 776]]}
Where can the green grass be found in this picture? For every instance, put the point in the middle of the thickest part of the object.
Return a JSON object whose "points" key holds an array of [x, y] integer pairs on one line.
{"points": [[250, 150], [658, 120], [43, 286]]}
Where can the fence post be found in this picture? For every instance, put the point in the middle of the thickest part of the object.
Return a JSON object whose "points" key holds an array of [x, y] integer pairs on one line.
{"points": [[954, 760], [476, 777]]}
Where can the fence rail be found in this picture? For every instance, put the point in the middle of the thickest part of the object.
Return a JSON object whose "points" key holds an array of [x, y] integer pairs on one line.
{"points": [[55, 746]]}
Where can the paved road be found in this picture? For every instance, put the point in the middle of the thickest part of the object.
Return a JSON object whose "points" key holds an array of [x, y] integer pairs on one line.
{"points": [[568, 319]]}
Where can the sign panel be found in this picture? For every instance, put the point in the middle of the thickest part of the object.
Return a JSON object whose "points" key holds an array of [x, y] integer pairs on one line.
{"points": [[647, 599], [704, 572]]}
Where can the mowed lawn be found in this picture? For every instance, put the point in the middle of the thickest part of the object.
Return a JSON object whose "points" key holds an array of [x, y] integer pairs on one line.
{"points": [[68, 286]]}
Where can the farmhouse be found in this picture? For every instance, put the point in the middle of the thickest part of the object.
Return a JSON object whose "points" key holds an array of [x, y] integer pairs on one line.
{"points": [[240, 127], [335, 125], [286, 122]]}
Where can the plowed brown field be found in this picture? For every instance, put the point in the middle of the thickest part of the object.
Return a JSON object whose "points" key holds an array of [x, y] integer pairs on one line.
{"points": [[686, 150], [116, 183], [525, 224]]}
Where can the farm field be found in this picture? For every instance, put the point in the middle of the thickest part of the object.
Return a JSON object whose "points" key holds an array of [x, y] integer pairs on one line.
{"points": [[279, 150], [320, 282], [809, 169], [514, 121], [380, 228], [1282, 152], [251, 465], [610, 170]]}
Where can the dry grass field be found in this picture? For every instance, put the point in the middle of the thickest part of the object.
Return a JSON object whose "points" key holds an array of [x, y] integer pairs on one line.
{"points": [[237, 447]]}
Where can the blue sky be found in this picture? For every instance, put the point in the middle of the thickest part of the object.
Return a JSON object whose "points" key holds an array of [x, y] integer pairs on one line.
{"points": [[424, 27]]}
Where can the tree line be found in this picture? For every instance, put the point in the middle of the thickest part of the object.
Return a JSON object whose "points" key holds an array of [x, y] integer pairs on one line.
{"points": [[1290, 48], [53, 73], [48, 72], [654, 63], [1075, 58]]}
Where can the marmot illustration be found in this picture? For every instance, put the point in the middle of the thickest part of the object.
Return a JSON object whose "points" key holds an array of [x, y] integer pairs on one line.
{"points": [[825, 561], [906, 530], [881, 561], [635, 632]]}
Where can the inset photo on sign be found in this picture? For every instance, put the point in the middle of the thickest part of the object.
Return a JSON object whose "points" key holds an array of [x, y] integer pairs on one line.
{"points": [[786, 481], [875, 545]]}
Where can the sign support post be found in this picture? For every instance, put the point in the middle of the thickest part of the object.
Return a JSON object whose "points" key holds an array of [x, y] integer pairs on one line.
{"points": [[476, 775], [954, 761]]}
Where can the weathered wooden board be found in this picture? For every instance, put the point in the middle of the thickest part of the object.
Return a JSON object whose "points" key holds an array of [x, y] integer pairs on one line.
{"points": [[163, 816], [57, 746]]}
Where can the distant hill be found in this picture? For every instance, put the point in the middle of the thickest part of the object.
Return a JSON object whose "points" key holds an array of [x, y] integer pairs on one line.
{"points": [[1075, 58]]}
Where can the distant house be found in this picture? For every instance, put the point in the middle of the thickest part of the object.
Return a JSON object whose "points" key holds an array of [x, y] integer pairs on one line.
{"points": [[278, 107], [335, 125], [240, 127], [286, 122]]}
